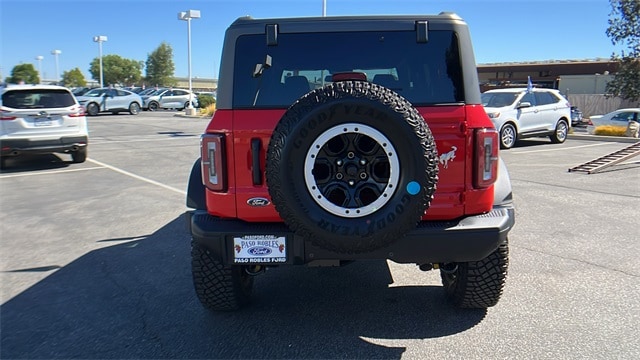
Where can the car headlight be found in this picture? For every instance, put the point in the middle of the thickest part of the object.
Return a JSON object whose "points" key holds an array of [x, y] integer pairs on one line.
{"points": [[493, 115]]}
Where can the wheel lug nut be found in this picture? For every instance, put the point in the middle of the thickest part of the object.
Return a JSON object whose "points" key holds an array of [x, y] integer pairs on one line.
{"points": [[351, 155], [339, 176], [351, 182], [363, 162], [339, 162], [363, 175]]}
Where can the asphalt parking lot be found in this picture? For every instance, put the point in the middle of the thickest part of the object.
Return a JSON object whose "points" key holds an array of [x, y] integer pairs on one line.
{"points": [[95, 264]]}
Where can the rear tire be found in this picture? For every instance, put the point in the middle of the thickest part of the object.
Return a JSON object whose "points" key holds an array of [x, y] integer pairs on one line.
{"points": [[219, 287], [93, 109], [134, 108], [477, 284], [79, 156], [560, 134]]}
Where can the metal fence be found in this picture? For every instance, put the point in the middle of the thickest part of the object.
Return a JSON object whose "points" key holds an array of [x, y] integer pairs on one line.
{"points": [[597, 104]]}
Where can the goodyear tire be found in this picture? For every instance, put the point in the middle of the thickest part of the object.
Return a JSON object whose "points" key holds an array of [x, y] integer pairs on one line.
{"points": [[219, 287], [351, 166], [477, 284]]}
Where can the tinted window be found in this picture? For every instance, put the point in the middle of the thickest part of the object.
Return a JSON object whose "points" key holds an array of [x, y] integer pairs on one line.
{"points": [[530, 98], [624, 116], [499, 99], [424, 73], [37, 99], [545, 98]]}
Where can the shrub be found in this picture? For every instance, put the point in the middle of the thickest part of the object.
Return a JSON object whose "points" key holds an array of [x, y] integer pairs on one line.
{"points": [[209, 110], [205, 100], [610, 130]]}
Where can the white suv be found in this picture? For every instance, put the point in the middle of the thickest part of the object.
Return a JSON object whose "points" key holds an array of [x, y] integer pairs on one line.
{"points": [[520, 113], [169, 99], [42, 119]]}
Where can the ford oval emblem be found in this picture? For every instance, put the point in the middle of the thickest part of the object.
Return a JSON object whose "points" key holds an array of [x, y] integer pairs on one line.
{"points": [[258, 202], [259, 251]]}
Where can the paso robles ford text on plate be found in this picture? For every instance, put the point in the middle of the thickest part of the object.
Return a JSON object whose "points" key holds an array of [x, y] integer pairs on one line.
{"points": [[259, 249]]}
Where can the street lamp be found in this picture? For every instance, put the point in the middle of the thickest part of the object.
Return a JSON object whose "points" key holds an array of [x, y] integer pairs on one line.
{"points": [[39, 58], [100, 39], [55, 53], [187, 16]]}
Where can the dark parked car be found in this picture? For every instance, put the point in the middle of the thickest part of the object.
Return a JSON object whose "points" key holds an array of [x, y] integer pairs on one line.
{"points": [[576, 116]]}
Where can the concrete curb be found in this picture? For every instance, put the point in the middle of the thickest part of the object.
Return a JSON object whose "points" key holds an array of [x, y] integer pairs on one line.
{"points": [[588, 137], [183, 115]]}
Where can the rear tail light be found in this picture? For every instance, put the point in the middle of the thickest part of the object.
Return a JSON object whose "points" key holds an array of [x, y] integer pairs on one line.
{"points": [[589, 122], [486, 157], [212, 151], [4, 115], [77, 111], [7, 117]]}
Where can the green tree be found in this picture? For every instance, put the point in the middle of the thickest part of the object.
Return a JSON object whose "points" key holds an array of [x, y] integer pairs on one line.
{"points": [[624, 29], [160, 66], [116, 70], [23, 72], [73, 78]]}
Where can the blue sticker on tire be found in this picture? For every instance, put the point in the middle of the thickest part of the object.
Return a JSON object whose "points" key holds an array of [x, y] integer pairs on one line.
{"points": [[413, 188]]}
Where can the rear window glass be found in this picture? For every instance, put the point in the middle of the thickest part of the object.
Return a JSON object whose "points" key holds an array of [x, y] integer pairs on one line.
{"points": [[424, 73], [37, 99]]}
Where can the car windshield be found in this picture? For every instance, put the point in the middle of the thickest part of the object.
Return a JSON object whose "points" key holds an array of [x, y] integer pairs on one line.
{"points": [[37, 99], [95, 92], [423, 73], [498, 99], [158, 92]]}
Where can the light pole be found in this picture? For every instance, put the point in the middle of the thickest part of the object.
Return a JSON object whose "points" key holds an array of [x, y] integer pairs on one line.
{"points": [[39, 58], [187, 16], [100, 39], [55, 53], [324, 7]]}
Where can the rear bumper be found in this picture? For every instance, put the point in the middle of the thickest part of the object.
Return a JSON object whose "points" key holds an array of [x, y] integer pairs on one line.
{"points": [[13, 147], [468, 239]]}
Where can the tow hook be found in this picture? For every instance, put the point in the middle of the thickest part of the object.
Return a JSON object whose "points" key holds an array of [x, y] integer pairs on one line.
{"points": [[449, 268], [426, 267], [255, 270]]}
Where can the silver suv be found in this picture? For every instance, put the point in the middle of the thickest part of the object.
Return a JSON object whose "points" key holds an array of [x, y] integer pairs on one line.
{"points": [[42, 119], [520, 113]]}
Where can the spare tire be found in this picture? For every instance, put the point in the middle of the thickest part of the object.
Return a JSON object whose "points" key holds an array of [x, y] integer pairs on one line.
{"points": [[351, 166]]}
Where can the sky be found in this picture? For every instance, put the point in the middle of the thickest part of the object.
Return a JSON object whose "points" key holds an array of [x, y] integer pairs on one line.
{"points": [[501, 30]]}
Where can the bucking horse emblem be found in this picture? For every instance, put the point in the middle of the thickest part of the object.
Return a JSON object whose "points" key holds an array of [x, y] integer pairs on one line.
{"points": [[448, 156]]}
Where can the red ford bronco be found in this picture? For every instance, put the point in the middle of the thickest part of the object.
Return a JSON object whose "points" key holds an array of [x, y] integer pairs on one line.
{"points": [[346, 138]]}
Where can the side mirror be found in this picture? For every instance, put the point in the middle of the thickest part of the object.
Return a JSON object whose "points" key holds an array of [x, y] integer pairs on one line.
{"points": [[524, 104]]}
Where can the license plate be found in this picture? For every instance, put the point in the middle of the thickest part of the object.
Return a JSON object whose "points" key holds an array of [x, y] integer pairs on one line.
{"points": [[43, 122], [261, 249]]}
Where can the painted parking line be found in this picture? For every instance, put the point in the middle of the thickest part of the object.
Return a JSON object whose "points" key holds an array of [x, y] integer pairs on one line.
{"points": [[36, 173], [138, 177], [151, 139], [557, 149]]}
